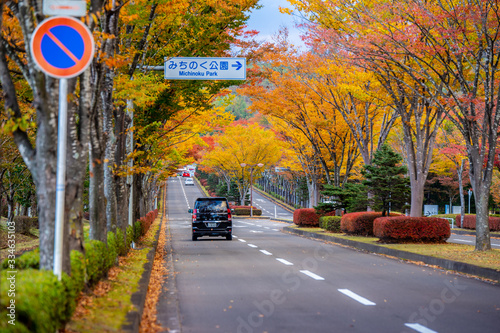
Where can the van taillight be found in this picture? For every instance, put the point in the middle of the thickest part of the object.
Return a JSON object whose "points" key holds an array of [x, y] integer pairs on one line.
{"points": [[194, 214], [228, 214]]}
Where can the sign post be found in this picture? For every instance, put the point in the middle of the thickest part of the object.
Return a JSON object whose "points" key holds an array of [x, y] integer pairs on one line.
{"points": [[62, 47]]}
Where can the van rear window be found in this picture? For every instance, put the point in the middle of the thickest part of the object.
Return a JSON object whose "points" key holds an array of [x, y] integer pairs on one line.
{"points": [[211, 206]]}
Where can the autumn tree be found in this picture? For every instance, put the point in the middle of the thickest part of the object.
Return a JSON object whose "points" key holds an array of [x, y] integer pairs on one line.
{"points": [[250, 145]]}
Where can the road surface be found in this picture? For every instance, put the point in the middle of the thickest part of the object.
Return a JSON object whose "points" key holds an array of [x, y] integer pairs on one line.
{"points": [[265, 280]]}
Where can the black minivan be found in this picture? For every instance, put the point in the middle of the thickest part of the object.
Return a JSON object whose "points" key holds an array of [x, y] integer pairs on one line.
{"points": [[211, 217]]}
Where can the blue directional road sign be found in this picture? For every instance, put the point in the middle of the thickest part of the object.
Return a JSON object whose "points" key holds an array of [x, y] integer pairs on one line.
{"points": [[205, 68]]}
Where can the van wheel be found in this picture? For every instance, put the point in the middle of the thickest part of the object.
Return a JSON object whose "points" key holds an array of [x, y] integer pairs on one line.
{"points": [[195, 238], [229, 237]]}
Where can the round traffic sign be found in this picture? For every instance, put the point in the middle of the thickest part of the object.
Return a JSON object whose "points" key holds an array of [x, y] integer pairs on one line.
{"points": [[62, 47]]}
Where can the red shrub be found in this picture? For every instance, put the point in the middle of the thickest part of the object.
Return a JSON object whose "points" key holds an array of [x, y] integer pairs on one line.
{"points": [[306, 217], [470, 222], [414, 229], [360, 223]]}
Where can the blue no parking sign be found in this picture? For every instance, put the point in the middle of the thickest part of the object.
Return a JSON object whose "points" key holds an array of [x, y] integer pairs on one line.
{"points": [[62, 47]]}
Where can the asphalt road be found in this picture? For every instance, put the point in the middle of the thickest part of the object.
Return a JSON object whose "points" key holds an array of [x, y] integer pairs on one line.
{"points": [[265, 280]]}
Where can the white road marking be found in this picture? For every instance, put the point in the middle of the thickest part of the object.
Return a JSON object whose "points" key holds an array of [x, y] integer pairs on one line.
{"points": [[356, 297], [267, 228], [312, 275], [235, 236], [242, 240], [251, 245], [275, 229], [285, 262], [256, 231], [266, 253], [420, 328], [463, 240]]}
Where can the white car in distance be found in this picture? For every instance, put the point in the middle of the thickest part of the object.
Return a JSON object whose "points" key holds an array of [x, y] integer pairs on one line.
{"points": [[189, 181]]}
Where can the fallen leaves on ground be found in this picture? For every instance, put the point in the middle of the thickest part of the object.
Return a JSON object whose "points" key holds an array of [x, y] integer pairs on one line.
{"points": [[149, 323]]}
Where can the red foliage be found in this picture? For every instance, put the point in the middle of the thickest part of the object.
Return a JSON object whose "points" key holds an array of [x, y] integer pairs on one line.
{"points": [[416, 229], [359, 223], [470, 222], [306, 217], [147, 220]]}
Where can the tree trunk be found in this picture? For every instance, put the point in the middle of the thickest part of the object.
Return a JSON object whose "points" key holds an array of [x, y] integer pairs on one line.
{"points": [[461, 190], [480, 179]]}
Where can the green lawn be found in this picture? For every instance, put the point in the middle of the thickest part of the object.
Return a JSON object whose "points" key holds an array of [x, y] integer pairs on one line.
{"points": [[457, 252]]}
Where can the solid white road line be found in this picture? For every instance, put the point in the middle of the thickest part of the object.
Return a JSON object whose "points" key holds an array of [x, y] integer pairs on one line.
{"points": [[251, 245], [266, 252], [356, 297], [285, 262], [312, 275], [420, 328]]}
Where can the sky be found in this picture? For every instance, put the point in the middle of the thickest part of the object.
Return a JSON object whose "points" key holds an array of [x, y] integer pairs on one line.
{"points": [[268, 21]]}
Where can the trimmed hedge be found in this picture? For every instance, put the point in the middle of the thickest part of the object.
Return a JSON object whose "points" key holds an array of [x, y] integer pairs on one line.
{"points": [[470, 222], [411, 229], [45, 304], [359, 223], [245, 210], [330, 223], [306, 217]]}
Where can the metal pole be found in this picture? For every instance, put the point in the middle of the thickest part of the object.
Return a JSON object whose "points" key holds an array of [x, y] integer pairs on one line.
{"points": [[60, 176], [469, 199], [251, 192]]}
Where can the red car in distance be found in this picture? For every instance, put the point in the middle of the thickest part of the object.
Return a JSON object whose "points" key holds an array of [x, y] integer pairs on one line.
{"points": [[185, 174]]}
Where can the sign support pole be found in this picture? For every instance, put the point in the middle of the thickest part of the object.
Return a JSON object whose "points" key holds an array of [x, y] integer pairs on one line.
{"points": [[61, 176]]}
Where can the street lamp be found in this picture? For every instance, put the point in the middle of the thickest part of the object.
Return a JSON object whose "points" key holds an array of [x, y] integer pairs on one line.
{"points": [[251, 182]]}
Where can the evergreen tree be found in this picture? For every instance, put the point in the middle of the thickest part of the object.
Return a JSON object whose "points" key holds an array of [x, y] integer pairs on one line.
{"points": [[385, 179]]}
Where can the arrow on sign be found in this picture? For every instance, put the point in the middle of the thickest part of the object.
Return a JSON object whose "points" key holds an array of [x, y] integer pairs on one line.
{"points": [[238, 65]]}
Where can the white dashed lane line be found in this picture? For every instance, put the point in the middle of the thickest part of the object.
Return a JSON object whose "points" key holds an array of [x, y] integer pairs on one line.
{"points": [[420, 328], [242, 240], [284, 262], [254, 246], [312, 275], [266, 252], [356, 297]]}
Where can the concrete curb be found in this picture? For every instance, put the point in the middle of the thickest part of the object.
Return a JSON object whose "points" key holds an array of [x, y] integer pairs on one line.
{"points": [[460, 267], [133, 318]]}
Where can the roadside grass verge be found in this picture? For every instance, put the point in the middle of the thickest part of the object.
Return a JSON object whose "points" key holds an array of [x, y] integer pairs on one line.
{"points": [[450, 251], [104, 309]]}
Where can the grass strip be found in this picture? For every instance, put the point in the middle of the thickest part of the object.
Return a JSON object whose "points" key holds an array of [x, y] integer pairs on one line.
{"points": [[451, 251], [105, 308]]}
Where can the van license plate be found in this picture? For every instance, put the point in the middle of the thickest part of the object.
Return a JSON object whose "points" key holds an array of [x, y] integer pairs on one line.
{"points": [[211, 225]]}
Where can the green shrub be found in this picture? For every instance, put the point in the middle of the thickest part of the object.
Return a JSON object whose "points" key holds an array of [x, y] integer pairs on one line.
{"points": [[330, 223], [40, 300], [112, 252], [137, 230], [95, 261], [30, 259], [121, 242], [130, 235]]}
